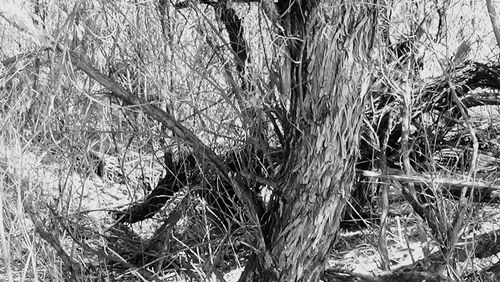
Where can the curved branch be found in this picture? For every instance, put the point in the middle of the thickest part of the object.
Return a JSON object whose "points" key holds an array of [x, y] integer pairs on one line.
{"points": [[180, 131], [201, 150]]}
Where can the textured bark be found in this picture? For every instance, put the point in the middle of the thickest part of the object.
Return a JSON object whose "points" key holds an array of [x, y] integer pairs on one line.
{"points": [[323, 172], [494, 20], [153, 203], [320, 174]]}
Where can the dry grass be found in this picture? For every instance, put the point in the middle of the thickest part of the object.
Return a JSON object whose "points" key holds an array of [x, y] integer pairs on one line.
{"points": [[74, 212], [55, 221]]}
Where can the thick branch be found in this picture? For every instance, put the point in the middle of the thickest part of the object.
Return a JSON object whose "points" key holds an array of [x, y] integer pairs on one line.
{"points": [[200, 149], [438, 180], [465, 78], [180, 131], [164, 190], [235, 31]]}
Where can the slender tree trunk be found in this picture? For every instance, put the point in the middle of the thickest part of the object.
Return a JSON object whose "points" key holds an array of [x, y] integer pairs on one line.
{"points": [[335, 76], [494, 20]]}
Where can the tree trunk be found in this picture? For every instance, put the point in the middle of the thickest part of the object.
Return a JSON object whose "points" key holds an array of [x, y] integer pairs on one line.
{"points": [[335, 76], [494, 19]]}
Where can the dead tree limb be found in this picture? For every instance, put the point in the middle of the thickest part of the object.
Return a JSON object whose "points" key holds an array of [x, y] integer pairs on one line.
{"points": [[483, 191], [427, 179]]}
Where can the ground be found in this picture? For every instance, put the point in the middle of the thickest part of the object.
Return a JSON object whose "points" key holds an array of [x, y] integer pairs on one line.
{"points": [[38, 181]]}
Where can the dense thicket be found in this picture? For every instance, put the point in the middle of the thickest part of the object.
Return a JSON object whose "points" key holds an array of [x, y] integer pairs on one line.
{"points": [[250, 126]]}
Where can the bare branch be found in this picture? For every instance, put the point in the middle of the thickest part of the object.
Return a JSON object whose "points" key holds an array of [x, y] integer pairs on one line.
{"points": [[426, 179], [180, 131]]}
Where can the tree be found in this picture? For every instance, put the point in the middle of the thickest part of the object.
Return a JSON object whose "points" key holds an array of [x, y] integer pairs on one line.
{"points": [[296, 103], [326, 49], [330, 74]]}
